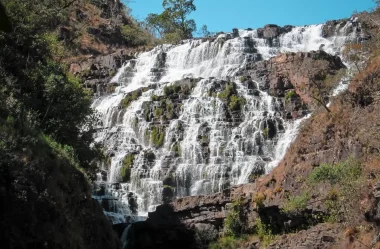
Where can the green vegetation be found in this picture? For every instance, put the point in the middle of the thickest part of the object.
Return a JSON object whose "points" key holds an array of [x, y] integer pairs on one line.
{"points": [[264, 233], [290, 95], [172, 24], [234, 225], [344, 173], [228, 242], [157, 137], [177, 149], [230, 97], [134, 35], [172, 89], [297, 203], [236, 103], [266, 132], [130, 97], [345, 179], [125, 171]]}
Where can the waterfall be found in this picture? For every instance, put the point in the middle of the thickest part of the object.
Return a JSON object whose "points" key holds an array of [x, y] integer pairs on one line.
{"points": [[198, 147]]}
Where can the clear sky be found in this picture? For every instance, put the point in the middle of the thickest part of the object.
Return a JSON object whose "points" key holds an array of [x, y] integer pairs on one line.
{"points": [[223, 15]]}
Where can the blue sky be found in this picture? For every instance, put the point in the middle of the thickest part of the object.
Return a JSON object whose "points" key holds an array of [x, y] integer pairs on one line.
{"points": [[223, 15]]}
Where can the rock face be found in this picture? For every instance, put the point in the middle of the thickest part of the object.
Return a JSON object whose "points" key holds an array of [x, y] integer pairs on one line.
{"points": [[294, 72], [271, 31], [97, 72]]}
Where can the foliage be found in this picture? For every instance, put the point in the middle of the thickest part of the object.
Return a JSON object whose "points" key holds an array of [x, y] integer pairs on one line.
{"points": [[343, 173], [127, 100], [125, 170], [289, 95], [297, 203], [345, 179], [264, 232], [37, 92], [172, 24], [204, 32], [134, 35], [230, 96], [157, 137], [228, 242], [177, 149], [259, 199], [234, 225], [236, 103]]}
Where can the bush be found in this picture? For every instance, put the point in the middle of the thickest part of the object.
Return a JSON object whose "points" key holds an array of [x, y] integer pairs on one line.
{"points": [[157, 137], [229, 242], [125, 171], [264, 233], [127, 100], [134, 36], [297, 203], [234, 224], [342, 173], [236, 103], [289, 95]]}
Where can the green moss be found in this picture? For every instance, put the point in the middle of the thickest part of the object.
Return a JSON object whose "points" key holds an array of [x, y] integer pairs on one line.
{"points": [[158, 112], [130, 98], [155, 98], [243, 78], [125, 171], [229, 90], [228, 242], [230, 97], [236, 103], [177, 149], [266, 132], [157, 137], [290, 95]]}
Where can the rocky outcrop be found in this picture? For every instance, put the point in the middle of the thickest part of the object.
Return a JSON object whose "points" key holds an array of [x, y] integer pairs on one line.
{"points": [[294, 76], [271, 31], [97, 72]]}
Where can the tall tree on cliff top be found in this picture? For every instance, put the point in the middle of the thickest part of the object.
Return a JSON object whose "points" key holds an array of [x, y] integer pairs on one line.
{"points": [[173, 23]]}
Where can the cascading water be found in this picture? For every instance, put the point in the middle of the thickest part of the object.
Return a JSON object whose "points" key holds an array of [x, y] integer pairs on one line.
{"points": [[199, 148]]}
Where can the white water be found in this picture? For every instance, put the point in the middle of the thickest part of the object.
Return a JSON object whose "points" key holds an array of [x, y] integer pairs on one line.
{"points": [[235, 149]]}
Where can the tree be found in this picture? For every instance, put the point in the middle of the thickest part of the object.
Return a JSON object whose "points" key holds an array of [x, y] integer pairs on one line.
{"points": [[5, 24], [172, 24], [204, 31]]}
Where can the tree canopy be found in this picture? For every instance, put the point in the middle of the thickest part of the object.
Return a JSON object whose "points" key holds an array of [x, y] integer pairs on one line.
{"points": [[173, 23]]}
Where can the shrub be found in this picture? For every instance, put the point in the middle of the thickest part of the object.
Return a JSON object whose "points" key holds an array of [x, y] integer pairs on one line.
{"points": [[289, 95], [228, 242], [297, 203], [259, 199], [125, 171], [133, 35], [234, 224], [157, 137], [236, 103], [177, 149], [127, 100], [264, 233], [342, 173], [155, 98]]}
